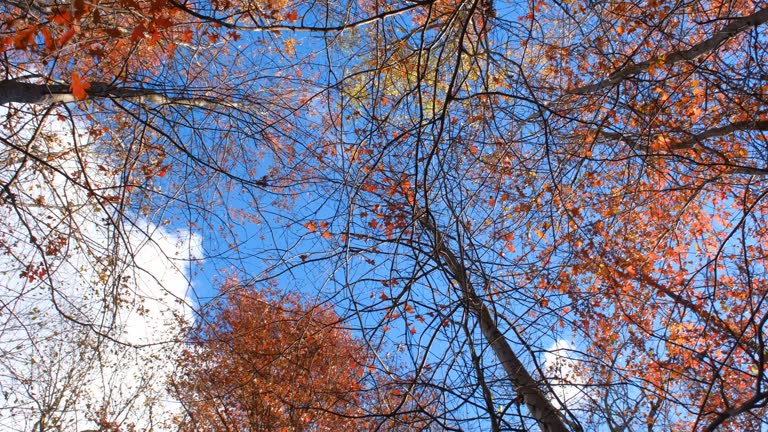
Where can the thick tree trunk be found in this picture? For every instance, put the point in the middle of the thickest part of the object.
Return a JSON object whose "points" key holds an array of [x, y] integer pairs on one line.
{"points": [[541, 409], [12, 91]]}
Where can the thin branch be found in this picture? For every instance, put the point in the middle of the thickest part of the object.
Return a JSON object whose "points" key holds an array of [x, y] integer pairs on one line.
{"points": [[541, 409], [705, 47]]}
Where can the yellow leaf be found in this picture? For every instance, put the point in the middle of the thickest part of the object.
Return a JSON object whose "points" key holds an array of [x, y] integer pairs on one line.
{"points": [[290, 46]]}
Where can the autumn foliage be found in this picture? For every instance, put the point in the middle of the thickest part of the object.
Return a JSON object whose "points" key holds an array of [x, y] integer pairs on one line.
{"points": [[115, 41], [267, 360], [92, 40], [477, 181]]}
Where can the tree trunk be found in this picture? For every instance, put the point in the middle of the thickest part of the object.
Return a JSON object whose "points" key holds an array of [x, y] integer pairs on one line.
{"points": [[12, 91], [541, 409]]}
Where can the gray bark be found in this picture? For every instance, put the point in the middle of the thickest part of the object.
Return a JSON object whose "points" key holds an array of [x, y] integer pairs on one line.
{"points": [[540, 408], [12, 91]]}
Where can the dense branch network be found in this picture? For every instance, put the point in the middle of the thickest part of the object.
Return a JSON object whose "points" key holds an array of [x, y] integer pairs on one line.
{"points": [[545, 215]]}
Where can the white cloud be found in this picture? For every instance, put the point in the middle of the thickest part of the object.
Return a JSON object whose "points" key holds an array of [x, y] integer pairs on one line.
{"points": [[561, 370], [90, 306]]}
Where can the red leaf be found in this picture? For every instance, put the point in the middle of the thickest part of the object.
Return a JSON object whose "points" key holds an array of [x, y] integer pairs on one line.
{"points": [[24, 38], [292, 16], [187, 35], [49, 43], [80, 8], [79, 87], [62, 18], [138, 33], [66, 37], [162, 23]]}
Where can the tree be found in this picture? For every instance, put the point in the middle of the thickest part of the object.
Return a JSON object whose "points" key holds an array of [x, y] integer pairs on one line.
{"points": [[267, 360], [508, 169], [97, 285], [475, 182], [86, 317]]}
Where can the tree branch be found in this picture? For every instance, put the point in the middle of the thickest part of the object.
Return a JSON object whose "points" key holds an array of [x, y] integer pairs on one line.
{"points": [[541, 409], [734, 28], [12, 91], [757, 125]]}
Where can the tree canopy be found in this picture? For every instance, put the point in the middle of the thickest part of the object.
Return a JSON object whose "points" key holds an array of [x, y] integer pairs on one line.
{"points": [[262, 360], [547, 214]]}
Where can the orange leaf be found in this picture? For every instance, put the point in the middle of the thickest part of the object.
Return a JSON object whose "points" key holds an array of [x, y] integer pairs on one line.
{"points": [[24, 38], [62, 18], [49, 43], [66, 36], [327, 235], [413, 330], [78, 87], [311, 226], [187, 35], [292, 16]]}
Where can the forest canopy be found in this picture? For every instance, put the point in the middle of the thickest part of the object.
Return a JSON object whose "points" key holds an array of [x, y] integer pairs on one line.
{"points": [[518, 215]]}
